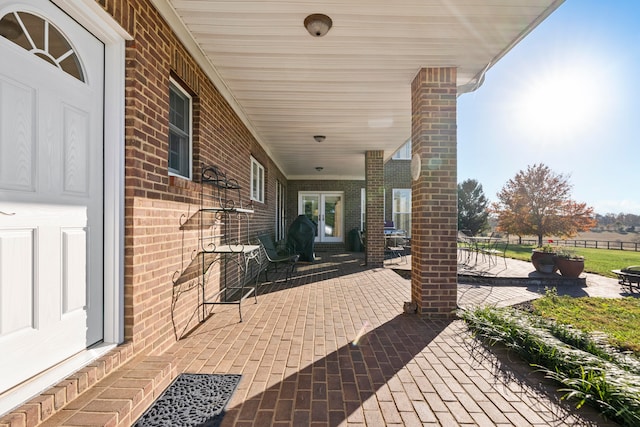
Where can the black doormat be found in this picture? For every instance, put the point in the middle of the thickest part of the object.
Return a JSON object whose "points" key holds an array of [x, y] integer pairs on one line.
{"points": [[196, 400]]}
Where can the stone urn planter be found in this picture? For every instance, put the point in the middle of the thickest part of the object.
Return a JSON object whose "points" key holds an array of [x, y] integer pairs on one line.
{"points": [[570, 267]]}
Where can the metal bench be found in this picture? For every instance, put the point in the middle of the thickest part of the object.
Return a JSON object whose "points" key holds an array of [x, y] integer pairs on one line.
{"points": [[628, 279]]}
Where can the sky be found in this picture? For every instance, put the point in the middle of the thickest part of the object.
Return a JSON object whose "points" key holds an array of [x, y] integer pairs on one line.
{"points": [[568, 96]]}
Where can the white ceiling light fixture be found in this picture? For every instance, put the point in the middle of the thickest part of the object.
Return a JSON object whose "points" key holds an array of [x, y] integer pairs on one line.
{"points": [[318, 24]]}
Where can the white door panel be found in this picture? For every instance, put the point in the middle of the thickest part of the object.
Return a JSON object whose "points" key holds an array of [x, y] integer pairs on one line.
{"points": [[76, 152], [17, 160], [51, 163], [74, 263], [16, 280]]}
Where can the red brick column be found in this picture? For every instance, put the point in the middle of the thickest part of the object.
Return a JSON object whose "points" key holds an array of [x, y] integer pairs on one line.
{"points": [[434, 194], [374, 174]]}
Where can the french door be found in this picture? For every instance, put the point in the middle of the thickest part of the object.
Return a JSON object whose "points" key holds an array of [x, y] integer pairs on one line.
{"points": [[326, 210]]}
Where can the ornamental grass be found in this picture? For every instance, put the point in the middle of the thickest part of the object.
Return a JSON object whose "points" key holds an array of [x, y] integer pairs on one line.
{"points": [[588, 370]]}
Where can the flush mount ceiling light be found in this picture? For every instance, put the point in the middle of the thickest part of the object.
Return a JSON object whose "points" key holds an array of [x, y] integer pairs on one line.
{"points": [[319, 138], [318, 24], [319, 168]]}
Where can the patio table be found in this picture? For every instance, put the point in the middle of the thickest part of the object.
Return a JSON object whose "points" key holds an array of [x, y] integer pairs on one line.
{"points": [[395, 242]]}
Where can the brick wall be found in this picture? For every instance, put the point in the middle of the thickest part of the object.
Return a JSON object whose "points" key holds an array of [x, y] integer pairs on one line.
{"points": [[434, 194], [160, 235]]}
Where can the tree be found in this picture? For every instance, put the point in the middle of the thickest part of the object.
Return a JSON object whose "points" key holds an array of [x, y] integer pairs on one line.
{"points": [[537, 202], [472, 207]]}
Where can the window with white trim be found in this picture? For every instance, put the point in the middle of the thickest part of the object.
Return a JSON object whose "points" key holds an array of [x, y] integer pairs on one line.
{"points": [[404, 152], [257, 181], [180, 113], [401, 209]]}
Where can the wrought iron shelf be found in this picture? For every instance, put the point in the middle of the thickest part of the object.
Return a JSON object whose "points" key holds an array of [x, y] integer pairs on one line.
{"points": [[222, 240], [230, 210]]}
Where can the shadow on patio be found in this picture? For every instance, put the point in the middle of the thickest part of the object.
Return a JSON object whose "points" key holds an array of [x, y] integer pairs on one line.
{"points": [[295, 351], [338, 386]]}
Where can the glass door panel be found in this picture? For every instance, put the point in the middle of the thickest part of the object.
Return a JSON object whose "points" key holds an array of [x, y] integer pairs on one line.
{"points": [[332, 218], [310, 207], [326, 210]]}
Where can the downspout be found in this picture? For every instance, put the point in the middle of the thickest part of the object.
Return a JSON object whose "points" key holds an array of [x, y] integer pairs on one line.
{"points": [[475, 83]]}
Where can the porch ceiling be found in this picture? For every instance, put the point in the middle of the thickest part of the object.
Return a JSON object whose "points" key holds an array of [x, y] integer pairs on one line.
{"points": [[352, 85]]}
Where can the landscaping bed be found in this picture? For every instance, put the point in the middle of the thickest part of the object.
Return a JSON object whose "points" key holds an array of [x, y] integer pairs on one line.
{"points": [[586, 367]]}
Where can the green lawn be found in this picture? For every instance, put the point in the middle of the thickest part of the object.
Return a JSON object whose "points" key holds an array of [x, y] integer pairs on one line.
{"points": [[618, 318], [599, 261]]}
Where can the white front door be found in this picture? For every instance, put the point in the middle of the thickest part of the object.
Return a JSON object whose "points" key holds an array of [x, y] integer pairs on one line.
{"points": [[326, 210], [51, 189]]}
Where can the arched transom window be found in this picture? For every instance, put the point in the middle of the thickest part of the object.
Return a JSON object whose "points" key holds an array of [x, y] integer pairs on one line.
{"points": [[41, 38]]}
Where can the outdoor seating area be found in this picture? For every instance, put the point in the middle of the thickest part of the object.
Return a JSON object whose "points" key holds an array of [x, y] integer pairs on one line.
{"points": [[396, 246], [472, 249], [395, 243], [629, 277]]}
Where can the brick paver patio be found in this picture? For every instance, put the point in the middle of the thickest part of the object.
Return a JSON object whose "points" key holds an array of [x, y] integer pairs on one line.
{"points": [[332, 347]]}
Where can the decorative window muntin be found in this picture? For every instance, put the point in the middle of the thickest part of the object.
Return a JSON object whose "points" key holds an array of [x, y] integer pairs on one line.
{"points": [[41, 38]]}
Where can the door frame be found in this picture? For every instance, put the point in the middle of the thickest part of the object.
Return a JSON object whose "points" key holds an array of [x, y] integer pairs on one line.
{"points": [[98, 22], [320, 237]]}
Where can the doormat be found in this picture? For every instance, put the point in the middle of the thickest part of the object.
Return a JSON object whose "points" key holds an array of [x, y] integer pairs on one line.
{"points": [[191, 400]]}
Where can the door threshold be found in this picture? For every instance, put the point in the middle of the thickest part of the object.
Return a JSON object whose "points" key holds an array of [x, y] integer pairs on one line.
{"points": [[21, 393]]}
